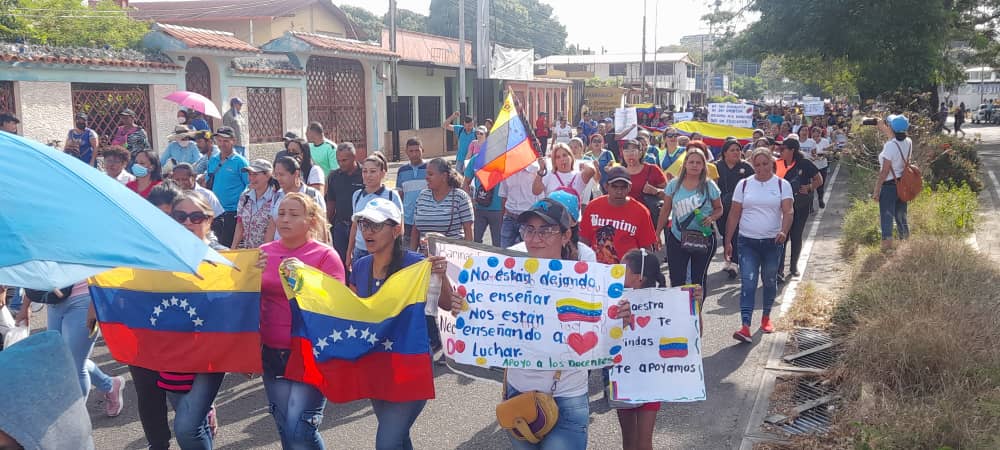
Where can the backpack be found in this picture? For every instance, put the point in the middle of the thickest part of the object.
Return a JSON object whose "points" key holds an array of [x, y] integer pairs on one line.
{"points": [[483, 197], [909, 185]]}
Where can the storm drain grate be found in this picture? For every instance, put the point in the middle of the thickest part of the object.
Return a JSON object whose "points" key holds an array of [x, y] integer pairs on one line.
{"points": [[815, 402], [816, 350]]}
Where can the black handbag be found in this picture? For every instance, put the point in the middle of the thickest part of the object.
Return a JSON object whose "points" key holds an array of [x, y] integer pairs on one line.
{"points": [[48, 297], [694, 241]]}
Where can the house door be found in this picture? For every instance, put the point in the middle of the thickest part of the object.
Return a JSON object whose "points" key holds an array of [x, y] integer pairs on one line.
{"points": [[336, 98], [198, 79]]}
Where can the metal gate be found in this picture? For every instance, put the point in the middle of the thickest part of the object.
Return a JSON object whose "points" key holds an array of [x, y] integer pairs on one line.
{"points": [[336, 99], [7, 97], [198, 79], [103, 102]]}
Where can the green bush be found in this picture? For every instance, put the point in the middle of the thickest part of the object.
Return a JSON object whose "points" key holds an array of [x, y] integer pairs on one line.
{"points": [[956, 168], [949, 210]]}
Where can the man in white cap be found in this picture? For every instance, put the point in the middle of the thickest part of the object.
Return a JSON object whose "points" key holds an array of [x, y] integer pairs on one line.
{"points": [[235, 119], [182, 148]]}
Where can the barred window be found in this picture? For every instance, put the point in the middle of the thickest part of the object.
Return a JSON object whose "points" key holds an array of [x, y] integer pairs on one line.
{"points": [[430, 112], [618, 69], [7, 97], [264, 114], [405, 113]]}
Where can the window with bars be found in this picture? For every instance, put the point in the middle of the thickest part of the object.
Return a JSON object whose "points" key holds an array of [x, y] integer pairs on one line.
{"points": [[429, 111], [405, 113], [264, 114], [618, 70], [7, 97], [103, 102]]}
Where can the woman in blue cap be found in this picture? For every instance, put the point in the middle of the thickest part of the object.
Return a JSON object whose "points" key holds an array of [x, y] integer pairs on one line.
{"points": [[895, 154]]}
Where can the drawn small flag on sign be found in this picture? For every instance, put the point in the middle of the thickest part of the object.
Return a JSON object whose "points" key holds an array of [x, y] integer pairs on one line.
{"points": [[673, 347]]}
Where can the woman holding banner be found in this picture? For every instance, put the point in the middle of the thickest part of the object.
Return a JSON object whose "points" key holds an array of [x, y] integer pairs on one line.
{"points": [[381, 225], [547, 234], [297, 407]]}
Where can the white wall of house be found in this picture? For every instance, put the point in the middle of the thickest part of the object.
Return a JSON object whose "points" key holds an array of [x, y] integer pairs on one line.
{"points": [[163, 115], [419, 82], [45, 109]]}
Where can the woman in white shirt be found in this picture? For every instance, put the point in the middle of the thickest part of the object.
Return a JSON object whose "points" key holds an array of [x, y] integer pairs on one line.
{"points": [[565, 174], [895, 153], [762, 205], [817, 154], [562, 132]]}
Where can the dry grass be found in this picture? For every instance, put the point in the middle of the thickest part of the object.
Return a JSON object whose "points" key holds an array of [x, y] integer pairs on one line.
{"points": [[813, 308], [920, 330]]}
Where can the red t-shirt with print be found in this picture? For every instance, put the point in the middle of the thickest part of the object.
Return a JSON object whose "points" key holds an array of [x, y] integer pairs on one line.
{"points": [[614, 230]]}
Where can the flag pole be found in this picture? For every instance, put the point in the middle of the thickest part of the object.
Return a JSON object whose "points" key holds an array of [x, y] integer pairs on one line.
{"points": [[527, 127]]}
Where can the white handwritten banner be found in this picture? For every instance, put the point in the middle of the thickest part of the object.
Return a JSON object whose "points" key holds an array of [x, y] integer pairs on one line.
{"points": [[661, 354], [530, 313], [813, 108], [683, 116], [624, 118], [731, 114]]}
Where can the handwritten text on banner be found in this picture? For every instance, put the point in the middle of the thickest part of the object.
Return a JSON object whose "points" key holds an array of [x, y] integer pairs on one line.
{"points": [[731, 114]]}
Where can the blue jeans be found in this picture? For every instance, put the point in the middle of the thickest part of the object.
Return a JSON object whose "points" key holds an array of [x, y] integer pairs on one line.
{"points": [[890, 208], [69, 318], [394, 422], [570, 431], [509, 233], [14, 299], [758, 257], [297, 407], [191, 411]]}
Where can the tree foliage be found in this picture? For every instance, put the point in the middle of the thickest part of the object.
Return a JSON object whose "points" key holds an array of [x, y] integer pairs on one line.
{"points": [[749, 88], [876, 46], [513, 23], [69, 23], [366, 23], [408, 20]]}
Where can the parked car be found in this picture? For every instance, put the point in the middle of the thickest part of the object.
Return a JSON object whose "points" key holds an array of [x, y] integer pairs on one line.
{"points": [[980, 115]]}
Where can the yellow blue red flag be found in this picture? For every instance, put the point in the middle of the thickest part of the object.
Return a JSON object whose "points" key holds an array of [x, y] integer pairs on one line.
{"points": [[508, 149]]}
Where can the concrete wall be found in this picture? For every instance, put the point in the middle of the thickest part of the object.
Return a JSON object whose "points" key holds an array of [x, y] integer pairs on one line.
{"points": [[314, 19], [295, 112], [433, 140], [45, 109], [163, 115], [266, 151]]}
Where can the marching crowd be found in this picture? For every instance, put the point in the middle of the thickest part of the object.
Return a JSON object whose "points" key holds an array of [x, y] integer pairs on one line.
{"points": [[592, 195]]}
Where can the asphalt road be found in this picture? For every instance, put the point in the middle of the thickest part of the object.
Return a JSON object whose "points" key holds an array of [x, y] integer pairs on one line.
{"points": [[462, 416]]}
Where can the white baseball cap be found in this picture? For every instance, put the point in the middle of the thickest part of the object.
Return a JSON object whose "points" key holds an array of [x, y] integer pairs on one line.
{"points": [[379, 210]]}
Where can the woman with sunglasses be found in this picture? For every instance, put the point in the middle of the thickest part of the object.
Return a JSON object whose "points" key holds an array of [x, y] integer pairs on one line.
{"points": [[312, 174], [297, 408], [477, 144], [380, 222]]}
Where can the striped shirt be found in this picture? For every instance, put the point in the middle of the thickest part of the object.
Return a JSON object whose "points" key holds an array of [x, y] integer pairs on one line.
{"points": [[445, 217]]}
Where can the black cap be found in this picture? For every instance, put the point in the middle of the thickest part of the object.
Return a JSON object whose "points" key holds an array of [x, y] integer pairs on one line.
{"points": [[81, 116], [226, 132], [291, 136], [618, 173], [791, 144], [127, 112], [631, 142], [203, 134], [550, 211]]}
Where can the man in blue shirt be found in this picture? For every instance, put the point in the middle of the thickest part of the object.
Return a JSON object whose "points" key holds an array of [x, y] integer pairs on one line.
{"points": [[410, 180], [207, 149], [226, 178], [466, 134], [589, 126]]}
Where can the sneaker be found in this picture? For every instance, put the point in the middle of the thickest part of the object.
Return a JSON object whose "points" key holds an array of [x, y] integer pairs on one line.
{"points": [[114, 400], [781, 278], [822, 204], [795, 273], [732, 271], [766, 325], [743, 335]]}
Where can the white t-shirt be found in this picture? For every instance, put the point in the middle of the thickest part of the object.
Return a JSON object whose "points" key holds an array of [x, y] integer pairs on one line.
{"points": [[896, 155], [761, 201], [517, 190], [554, 180], [316, 175], [819, 159], [563, 134], [211, 199]]}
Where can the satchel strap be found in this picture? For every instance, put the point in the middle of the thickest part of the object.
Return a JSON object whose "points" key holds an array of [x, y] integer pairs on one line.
{"points": [[684, 224]]}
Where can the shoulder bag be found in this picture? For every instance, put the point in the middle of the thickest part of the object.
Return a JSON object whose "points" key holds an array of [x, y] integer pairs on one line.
{"points": [[909, 185], [694, 241], [529, 416]]}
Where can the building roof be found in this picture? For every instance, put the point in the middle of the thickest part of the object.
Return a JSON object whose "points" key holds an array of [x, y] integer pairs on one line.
{"points": [[44, 54], [609, 58], [298, 41], [200, 11], [205, 39], [428, 48], [270, 64]]}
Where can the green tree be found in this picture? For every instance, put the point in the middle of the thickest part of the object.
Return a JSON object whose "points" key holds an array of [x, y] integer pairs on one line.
{"points": [[749, 88], [46, 22], [367, 24], [408, 20], [514, 23]]}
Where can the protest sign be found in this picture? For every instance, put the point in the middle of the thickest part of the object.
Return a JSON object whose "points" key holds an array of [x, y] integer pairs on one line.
{"points": [[813, 108], [531, 313], [625, 118], [682, 116], [732, 114], [661, 353]]}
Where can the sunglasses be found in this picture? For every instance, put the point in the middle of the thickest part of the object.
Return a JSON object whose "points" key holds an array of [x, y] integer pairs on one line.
{"points": [[671, 135], [196, 217]]}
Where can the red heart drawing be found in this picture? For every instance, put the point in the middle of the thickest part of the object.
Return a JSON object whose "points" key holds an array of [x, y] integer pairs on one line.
{"points": [[642, 321], [581, 343], [459, 346], [618, 359], [613, 311]]}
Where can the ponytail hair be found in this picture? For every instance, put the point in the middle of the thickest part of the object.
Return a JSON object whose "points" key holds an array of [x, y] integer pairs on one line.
{"points": [[646, 265], [440, 165]]}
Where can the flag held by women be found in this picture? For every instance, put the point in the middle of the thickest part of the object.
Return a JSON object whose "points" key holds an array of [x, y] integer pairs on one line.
{"points": [[353, 348], [178, 322]]}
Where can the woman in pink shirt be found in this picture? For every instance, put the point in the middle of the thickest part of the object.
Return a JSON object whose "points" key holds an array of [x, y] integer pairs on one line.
{"points": [[297, 407]]}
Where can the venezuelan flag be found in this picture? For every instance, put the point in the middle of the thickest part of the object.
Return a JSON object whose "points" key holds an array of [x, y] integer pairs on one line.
{"points": [[508, 149], [673, 347], [178, 322], [714, 134], [576, 310], [352, 348]]}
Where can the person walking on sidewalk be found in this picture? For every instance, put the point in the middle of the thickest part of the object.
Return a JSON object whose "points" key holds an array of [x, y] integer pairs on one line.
{"points": [[895, 153], [762, 210], [804, 178]]}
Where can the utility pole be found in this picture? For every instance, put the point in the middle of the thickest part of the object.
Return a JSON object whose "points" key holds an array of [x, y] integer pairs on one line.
{"points": [[642, 64], [656, 49], [484, 90], [462, 107], [394, 81]]}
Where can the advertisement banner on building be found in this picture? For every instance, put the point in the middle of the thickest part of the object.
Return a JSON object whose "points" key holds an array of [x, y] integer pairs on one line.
{"points": [[512, 63], [603, 99], [731, 114]]}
